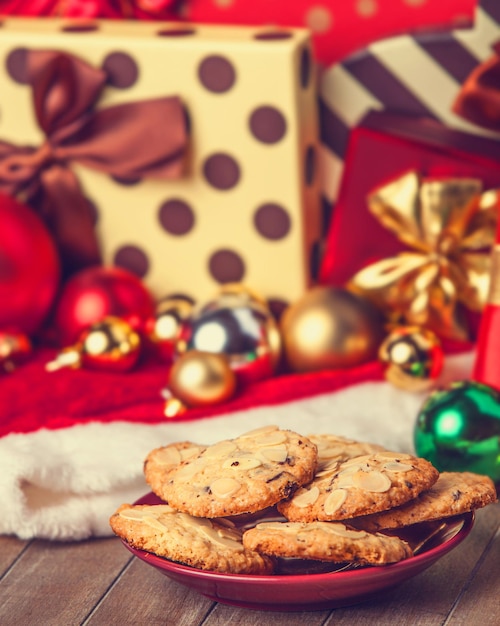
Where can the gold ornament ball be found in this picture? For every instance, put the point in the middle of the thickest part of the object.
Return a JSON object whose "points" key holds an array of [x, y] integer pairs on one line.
{"points": [[412, 358], [201, 379], [330, 328]]}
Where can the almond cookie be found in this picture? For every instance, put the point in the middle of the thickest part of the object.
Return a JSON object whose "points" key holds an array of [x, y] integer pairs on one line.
{"points": [[161, 461], [364, 484], [453, 493], [214, 545], [241, 475], [325, 541], [334, 448]]}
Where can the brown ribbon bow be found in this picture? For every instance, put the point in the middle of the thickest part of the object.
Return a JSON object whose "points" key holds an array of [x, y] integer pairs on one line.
{"points": [[479, 98], [128, 141]]}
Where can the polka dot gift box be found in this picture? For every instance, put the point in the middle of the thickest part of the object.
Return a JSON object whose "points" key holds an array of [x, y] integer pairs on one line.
{"points": [[239, 201]]}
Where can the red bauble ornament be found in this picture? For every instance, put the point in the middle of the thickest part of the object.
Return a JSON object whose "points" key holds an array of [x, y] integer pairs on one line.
{"points": [[29, 268], [110, 345], [98, 292]]}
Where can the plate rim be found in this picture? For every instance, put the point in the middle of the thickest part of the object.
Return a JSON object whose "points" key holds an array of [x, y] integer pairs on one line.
{"points": [[431, 555]]}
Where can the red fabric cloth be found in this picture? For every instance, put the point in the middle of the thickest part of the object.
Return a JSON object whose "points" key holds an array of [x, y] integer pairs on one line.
{"points": [[32, 398]]}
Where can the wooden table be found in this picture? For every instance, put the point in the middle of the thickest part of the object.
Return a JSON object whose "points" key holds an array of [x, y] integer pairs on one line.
{"points": [[98, 581]]}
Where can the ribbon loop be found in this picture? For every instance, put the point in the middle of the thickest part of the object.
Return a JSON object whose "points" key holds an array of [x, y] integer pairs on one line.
{"points": [[449, 225], [133, 140], [479, 98]]}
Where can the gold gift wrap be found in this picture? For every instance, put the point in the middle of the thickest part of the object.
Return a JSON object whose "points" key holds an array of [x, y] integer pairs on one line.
{"points": [[448, 225], [247, 207]]}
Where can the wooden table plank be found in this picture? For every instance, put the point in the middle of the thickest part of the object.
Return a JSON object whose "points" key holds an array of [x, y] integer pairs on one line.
{"points": [[97, 582], [10, 549], [142, 595], [223, 615], [428, 598], [480, 600], [59, 583]]}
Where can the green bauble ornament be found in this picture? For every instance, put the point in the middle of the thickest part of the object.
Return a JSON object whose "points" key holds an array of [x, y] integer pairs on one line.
{"points": [[458, 429]]}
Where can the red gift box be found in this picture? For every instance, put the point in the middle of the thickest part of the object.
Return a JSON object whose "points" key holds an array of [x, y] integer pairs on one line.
{"points": [[383, 147], [338, 28]]}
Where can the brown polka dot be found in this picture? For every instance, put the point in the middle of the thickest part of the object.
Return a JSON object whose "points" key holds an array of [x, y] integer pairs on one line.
{"points": [[305, 68], [226, 266], [273, 35], [80, 28], [121, 69], [272, 221], [176, 217], [127, 182], [216, 74], [16, 65], [221, 171], [267, 124], [310, 165], [277, 307], [132, 258], [176, 32]]}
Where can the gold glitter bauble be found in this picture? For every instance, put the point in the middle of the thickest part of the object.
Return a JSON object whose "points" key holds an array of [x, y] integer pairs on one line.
{"points": [[412, 357], [330, 328], [201, 379]]}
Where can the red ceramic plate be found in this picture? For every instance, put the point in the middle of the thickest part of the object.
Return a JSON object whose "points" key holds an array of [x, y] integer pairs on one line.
{"points": [[311, 591]]}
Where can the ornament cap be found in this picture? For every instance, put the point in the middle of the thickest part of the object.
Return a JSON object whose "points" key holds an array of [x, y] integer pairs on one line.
{"points": [[69, 357]]}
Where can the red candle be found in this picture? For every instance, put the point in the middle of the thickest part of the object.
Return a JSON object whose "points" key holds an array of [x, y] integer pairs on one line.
{"points": [[487, 364]]}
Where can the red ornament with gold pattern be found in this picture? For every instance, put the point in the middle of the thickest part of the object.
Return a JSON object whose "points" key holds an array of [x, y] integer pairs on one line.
{"points": [[412, 358], [98, 292], [111, 345]]}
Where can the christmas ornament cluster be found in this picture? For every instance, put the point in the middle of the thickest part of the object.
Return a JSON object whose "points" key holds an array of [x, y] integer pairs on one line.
{"points": [[105, 319]]}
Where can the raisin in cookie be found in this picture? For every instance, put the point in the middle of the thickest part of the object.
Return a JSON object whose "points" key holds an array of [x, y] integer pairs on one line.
{"points": [[453, 493], [161, 461], [205, 544], [325, 541], [365, 484], [241, 475]]}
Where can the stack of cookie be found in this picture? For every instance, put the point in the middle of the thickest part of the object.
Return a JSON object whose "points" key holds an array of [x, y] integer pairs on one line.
{"points": [[245, 504]]}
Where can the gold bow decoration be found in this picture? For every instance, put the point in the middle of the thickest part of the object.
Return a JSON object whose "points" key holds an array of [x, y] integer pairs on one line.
{"points": [[449, 227]]}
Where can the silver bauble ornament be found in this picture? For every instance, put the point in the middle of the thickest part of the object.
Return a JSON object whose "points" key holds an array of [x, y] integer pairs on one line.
{"points": [[241, 327]]}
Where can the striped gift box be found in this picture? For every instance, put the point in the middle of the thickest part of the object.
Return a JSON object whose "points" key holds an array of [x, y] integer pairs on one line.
{"points": [[418, 75]]}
